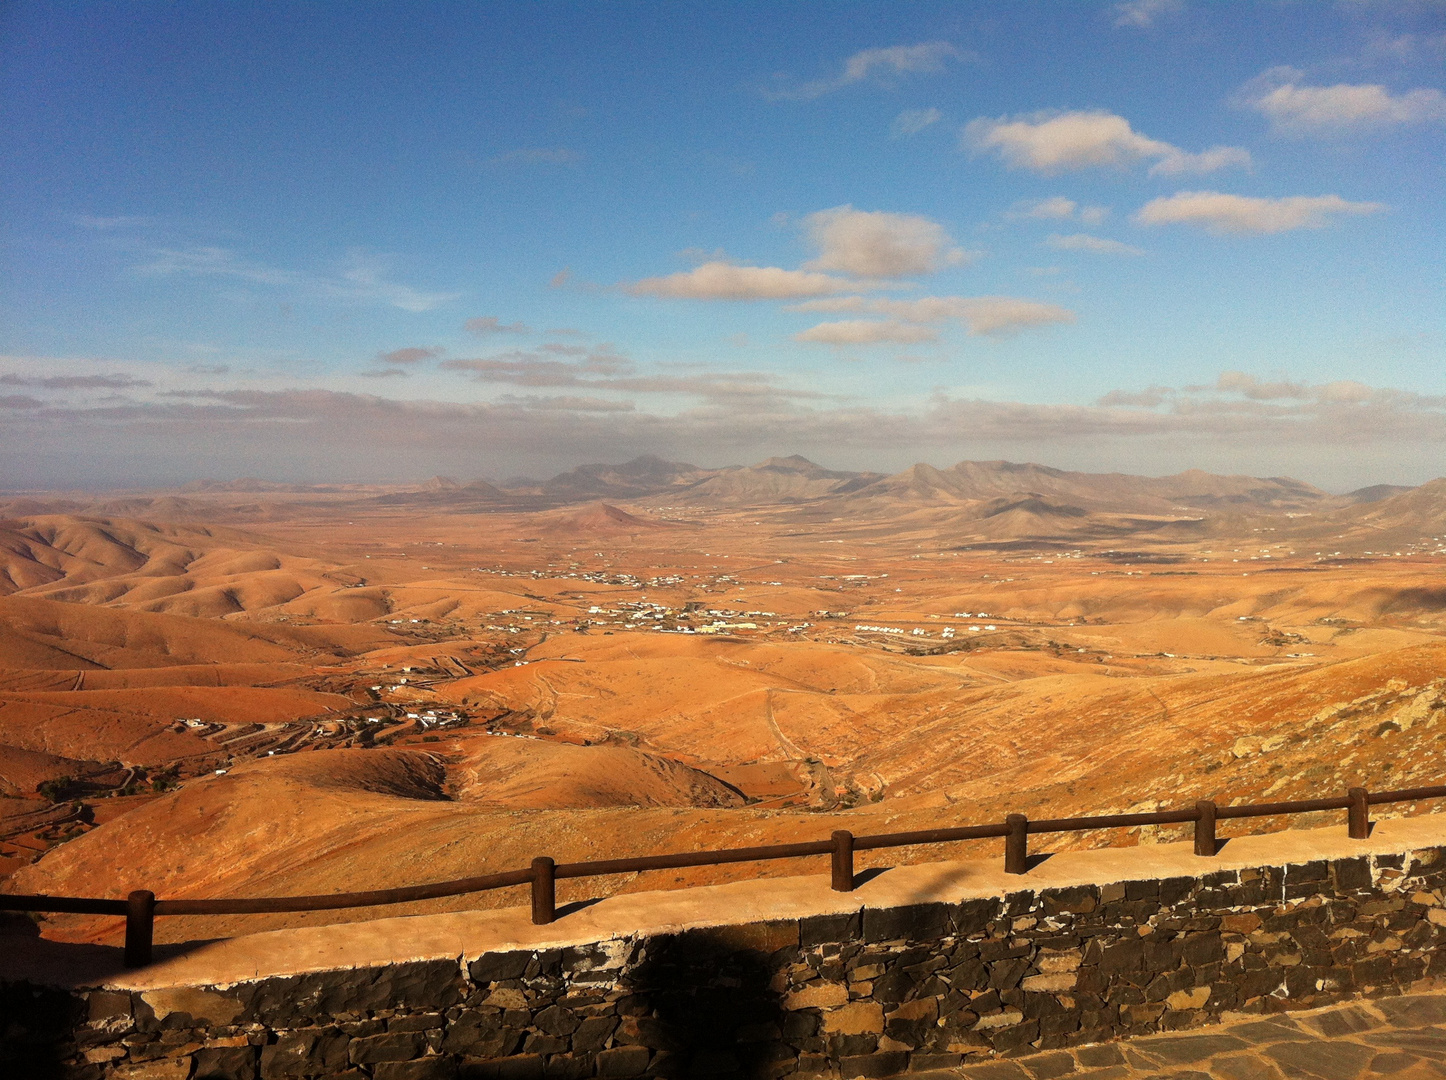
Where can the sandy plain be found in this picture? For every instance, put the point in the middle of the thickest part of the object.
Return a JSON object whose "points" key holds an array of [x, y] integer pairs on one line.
{"points": [[271, 691]]}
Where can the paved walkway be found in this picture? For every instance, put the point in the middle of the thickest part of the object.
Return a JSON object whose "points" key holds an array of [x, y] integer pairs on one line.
{"points": [[1401, 1038]]}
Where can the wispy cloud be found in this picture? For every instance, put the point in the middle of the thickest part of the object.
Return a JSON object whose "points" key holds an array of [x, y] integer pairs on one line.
{"points": [[1257, 390], [1296, 109], [912, 121], [569, 404], [988, 316], [929, 57], [411, 355], [727, 281], [1096, 245], [75, 382], [1243, 394], [105, 224], [601, 371], [867, 332], [1143, 14], [1058, 208], [1049, 142], [537, 155], [491, 324], [1222, 213], [366, 280], [543, 368], [363, 278], [1403, 48]]}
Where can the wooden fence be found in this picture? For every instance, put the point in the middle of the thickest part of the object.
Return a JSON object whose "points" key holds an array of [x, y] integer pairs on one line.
{"points": [[141, 907]]}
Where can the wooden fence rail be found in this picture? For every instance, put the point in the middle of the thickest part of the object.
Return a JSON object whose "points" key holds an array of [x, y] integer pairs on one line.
{"points": [[141, 907]]}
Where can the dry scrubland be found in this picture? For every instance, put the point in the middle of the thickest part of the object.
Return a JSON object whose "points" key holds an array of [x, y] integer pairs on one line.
{"points": [[251, 690]]}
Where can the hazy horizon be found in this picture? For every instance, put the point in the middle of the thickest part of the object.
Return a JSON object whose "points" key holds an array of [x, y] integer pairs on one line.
{"points": [[519, 480]]}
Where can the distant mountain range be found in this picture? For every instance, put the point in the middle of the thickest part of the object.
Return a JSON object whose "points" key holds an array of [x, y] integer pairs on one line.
{"points": [[970, 504], [796, 480]]}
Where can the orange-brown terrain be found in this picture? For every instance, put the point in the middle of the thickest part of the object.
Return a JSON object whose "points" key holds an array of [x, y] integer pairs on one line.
{"points": [[245, 689]]}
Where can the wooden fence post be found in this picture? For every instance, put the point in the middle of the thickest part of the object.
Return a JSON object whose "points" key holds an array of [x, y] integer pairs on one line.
{"points": [[843, 861], [544, 891], [1205, 842], [1359, 814], [1016, 844], [140, 927]]}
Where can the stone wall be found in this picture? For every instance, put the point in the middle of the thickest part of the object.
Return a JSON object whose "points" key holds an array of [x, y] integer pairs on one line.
{"points": [[870, 993]]}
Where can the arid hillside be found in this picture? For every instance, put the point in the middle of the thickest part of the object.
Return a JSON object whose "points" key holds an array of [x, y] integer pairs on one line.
{"points": [[349, 688]]}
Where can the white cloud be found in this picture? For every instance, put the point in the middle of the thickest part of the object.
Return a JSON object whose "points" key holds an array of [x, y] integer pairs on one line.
{"points": [[1223, 213], [726, 281], [873, 243], [1143, 13], [927, 58], [913, 121], [867, 332], [1097, 245], [1056, 142], [983, 315], [1294, 109]]}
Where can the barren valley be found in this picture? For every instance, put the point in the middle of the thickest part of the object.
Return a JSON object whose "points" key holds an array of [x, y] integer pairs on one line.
{"points": [[252, 689]]}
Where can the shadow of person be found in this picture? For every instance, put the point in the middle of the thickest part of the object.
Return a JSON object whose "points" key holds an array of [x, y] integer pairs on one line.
{"points": [[37, 1028], [708, 1007]]}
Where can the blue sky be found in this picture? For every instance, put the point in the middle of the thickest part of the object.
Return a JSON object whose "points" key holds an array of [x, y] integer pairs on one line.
{"points": [[375, 242]]}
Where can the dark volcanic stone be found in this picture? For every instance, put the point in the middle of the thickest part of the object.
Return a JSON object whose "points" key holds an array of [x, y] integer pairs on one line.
{"points": [[974, 916], [300, 1000], [307, 1052], [518, 1067], [556, 1021], [393, 1046], [475, 1034], [623, 1061], [567, 1067], [227, 1063], [874, 1065], [916, 922], [495, 967], [827, 929], [592, 1033], [428, 1068]]}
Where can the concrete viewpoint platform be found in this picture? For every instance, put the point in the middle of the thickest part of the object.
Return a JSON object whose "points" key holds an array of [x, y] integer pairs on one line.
{"points": [[458, 935]]}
